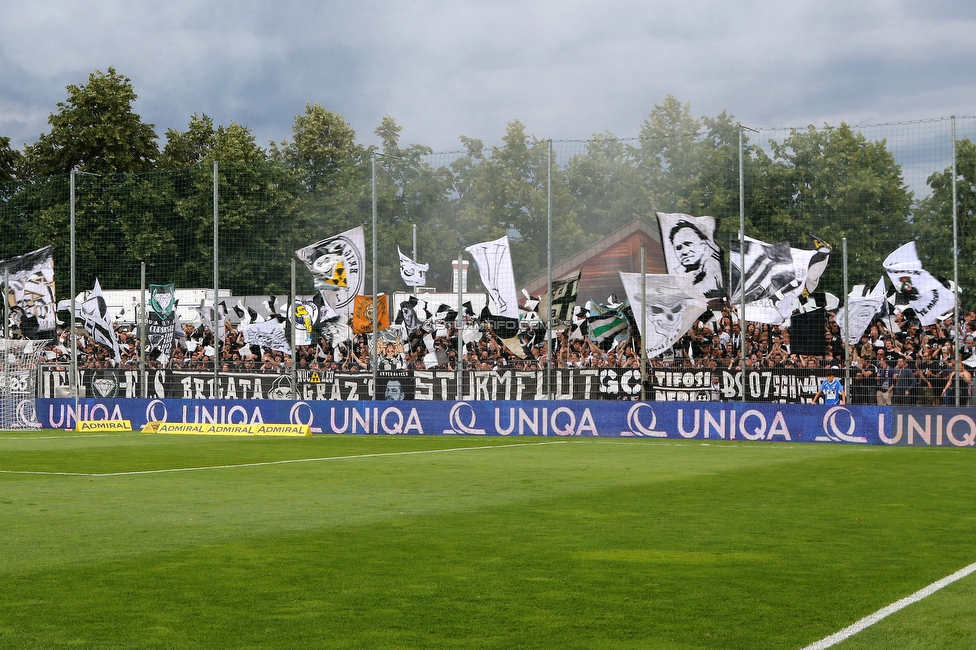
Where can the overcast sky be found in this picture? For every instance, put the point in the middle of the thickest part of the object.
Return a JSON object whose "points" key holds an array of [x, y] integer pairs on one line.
{"points": [[566, 68]]}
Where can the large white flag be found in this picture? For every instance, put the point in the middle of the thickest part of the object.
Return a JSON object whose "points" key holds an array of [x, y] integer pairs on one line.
{"points": [[673, 304], [775, 276], [267, 334], [32, 285], [413, 273], [494, 260], [860, 309], [337, 265], [928, 297], [690, 249], [94, 316]]}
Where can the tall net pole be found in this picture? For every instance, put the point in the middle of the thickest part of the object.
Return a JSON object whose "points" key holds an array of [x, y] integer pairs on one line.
{"points": [[216, 278], [742, 265], [549, 272], [955, 267]]}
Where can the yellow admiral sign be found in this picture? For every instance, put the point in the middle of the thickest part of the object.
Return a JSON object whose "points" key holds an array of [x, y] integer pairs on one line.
{"points": [[196, 428], [103, 425]]}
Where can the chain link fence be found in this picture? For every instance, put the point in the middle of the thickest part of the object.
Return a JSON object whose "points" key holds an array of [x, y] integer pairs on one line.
{"points": [[225, 237]]}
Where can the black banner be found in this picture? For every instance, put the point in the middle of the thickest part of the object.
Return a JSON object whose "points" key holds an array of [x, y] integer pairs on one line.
{"points": [[693, 385]]}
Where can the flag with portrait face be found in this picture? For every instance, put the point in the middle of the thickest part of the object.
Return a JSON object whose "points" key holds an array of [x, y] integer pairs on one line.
{"points": [[690, 251]]}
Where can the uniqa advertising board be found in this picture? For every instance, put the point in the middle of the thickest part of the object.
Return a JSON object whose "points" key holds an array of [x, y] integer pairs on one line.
{"points": [[858, 425]]}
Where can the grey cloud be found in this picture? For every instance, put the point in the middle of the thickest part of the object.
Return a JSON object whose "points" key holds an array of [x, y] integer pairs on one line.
{"points": [[567, 69]]}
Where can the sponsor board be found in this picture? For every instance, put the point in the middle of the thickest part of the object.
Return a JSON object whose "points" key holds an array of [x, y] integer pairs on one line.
{"points": [[103, 425], [198, 428], [704, 421]]}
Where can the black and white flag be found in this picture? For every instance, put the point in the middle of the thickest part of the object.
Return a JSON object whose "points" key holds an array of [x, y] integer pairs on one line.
{"points": [[818, 262], [412, 315], [338, 267], [32, 285], [161, 321], [775, 276], [95, 319], [672, 305], [413, 273], [856, 315], [928, 297], [564, 292], [268, 334], [608, 323], [494, 260], [690, 250]]}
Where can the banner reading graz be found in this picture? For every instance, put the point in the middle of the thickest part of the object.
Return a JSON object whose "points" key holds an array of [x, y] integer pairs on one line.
{"points": [[795, 386]]}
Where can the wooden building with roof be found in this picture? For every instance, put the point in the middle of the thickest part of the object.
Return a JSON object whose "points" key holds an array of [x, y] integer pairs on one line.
{"points": [[602, 261]]}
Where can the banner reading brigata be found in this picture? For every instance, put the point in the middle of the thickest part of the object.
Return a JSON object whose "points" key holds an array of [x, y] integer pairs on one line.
{"points": [[793, 386], [853, 425]]}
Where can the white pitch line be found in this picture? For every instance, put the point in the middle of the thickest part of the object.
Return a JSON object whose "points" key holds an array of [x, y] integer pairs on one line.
{"points": [[280, 462], [884, 612], [86, 435]]}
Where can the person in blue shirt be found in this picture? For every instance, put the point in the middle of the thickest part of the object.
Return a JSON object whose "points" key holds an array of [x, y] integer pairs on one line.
{"points": [[831, 389]]}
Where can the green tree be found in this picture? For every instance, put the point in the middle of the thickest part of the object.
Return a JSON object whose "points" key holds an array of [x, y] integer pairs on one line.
{"points": [[933, 221], [834, 183], [10, 161], [606, 187], [258, 208], [95, 130], [668, 156], [412, 191], [506, 192], [190, 147]]}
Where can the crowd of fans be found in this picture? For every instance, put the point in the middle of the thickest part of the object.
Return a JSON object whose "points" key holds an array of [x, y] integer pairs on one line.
{"points": [[896, 361]]}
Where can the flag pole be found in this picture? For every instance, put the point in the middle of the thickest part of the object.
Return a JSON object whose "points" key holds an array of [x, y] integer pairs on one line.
{"points": [[294, 348], [643, 323], [143, 377], [6, 304], [415, 254], [73, 383], [847, 331], [458, 323]]}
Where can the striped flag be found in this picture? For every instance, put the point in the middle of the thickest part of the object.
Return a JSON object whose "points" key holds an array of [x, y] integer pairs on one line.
{"points": [[607, 323]]}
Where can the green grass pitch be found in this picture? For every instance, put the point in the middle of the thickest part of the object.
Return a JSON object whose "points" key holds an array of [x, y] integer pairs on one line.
{"points": [[385, 542]]}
